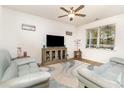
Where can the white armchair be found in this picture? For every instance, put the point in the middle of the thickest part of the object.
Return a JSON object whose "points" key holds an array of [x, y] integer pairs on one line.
{"points": [[21, 73], [109, 75]]}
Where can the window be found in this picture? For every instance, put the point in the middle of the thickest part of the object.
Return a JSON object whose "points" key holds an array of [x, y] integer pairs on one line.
{"points": [[101, 37], [92, 37]]}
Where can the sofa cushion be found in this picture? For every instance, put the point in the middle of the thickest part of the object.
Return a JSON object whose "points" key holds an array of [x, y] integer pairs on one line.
{"points": [[23, 70], [110, 71], [27, 69], [11, 72], [117, 60], [33, 68], [4, 61], [26, 80], [97, 79]]}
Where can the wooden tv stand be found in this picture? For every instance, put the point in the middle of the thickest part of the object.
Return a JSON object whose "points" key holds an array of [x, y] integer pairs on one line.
{"points": [[53, 55]]}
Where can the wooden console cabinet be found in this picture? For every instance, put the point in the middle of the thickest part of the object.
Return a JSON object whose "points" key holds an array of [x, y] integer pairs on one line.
{"points": [[53, 55]]}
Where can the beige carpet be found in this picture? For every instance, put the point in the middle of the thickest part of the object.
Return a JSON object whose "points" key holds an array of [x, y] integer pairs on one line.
{"points": [[62, 73]]}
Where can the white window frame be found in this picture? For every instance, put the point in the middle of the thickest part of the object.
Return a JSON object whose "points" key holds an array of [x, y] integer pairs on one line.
{"points": [[98, 39]]}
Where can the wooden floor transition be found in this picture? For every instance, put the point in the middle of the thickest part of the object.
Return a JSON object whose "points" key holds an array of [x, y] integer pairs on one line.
{"points": [[82, 60], [89, 61]]}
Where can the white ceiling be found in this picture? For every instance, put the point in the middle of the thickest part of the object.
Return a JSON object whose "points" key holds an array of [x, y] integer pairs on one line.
{"points": [[52, 12]]}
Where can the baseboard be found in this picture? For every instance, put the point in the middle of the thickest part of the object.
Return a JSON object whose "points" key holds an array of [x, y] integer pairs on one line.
{"points": [[87, 61], [82, 60], [91, 62]]}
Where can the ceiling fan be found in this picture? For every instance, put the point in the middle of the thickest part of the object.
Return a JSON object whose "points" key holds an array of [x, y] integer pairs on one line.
{"points": [[72, 12]]}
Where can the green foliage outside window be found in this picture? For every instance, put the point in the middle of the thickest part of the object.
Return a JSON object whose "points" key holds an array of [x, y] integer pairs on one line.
{"points": [[101, 37]]}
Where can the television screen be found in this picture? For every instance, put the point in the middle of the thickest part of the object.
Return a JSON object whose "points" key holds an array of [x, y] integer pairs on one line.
{"points": [[55, 41]]}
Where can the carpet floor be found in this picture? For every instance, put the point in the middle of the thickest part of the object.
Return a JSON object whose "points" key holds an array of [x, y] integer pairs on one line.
{"points": [[62, 74]]}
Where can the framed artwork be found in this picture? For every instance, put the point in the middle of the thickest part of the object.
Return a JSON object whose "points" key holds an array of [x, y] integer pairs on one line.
{"points": [[69, 33], [28, 27]]}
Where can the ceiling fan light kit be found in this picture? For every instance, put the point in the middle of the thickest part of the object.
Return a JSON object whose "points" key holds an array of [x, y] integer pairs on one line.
{"points": [[72, 13]]}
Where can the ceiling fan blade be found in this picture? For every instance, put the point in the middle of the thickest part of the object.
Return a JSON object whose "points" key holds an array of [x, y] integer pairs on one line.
{"points": [[62, 16], [79, 8], [71, 19], [64, 9], [82, 15]]}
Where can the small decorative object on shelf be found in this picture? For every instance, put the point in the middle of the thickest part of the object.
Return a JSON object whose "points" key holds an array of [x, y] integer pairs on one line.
{"points": [[43, 46], [25, 54], [19, 52], [20, 55]]}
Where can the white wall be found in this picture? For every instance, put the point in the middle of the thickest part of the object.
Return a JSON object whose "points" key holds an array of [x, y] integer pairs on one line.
{"points": [[1, 25], [11, 36], [102, 55], [32, 42]]}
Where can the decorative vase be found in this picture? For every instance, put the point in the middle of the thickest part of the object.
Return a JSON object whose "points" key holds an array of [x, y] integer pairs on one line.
{"points": [[25, 54], [19, 52], [43, 46]]}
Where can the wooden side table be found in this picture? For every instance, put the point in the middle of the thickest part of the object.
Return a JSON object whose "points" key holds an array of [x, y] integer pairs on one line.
{"points": [[77, 55], [38, 64], [20, 57]]}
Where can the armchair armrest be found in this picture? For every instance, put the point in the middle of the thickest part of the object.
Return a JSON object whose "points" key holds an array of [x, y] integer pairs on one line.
{"points": [[23, 61], [26, 81], [97, 79]]}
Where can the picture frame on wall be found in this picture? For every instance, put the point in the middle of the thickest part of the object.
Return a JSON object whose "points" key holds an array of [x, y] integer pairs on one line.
{"points": [[28, 27], [69, 33]]}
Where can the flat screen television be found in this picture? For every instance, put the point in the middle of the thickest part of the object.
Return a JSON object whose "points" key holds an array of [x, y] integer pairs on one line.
{"points": [[54, 41]]}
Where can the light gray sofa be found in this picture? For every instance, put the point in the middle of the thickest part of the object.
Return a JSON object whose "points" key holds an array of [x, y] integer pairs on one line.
{"points": [[21, 73], [109, 75]]}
